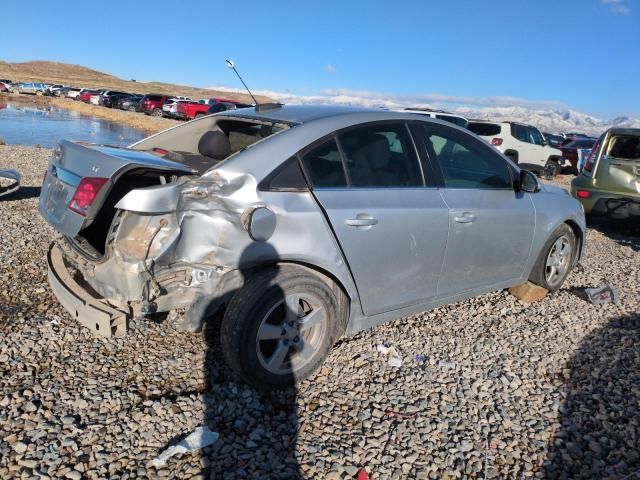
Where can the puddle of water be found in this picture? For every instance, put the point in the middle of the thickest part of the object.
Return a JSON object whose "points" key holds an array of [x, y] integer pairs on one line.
{"points": [[46, 125]]}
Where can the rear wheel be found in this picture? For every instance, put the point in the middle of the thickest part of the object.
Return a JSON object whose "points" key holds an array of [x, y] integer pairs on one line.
{"points": [[132, 108], [280, 326], [157, 112], [556, 259], [38, 93], [16, 91]]}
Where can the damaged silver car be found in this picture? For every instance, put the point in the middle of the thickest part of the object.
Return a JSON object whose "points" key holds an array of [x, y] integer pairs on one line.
{"points": [[298, 225]]}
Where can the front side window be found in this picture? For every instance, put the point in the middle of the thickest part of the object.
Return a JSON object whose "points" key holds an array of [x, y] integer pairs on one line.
{"points": [[519, 132], [380, 156], [324, 165], [535, 136], [465, 162]]}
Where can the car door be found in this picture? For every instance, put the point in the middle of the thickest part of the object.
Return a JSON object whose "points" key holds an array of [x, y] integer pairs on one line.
{"points": [[522, 144], [490, 224], [391, 227]]}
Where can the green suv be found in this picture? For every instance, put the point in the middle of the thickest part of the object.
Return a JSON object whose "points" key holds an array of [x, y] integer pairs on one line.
{"points": [[610, 180]]}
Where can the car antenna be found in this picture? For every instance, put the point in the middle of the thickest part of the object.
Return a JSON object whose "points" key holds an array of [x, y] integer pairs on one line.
{"points": [[265, 106]]}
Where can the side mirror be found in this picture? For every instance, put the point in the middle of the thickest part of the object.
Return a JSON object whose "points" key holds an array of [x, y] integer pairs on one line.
{"points": [[529, 182]]}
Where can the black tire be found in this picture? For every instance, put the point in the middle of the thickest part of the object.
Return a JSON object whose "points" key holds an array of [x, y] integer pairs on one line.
{"points": [[540, 273], [199, 115], [551, 169], [157, 112], [262, 297]]}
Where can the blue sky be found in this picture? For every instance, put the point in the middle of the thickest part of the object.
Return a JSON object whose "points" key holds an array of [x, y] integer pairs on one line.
{"points": [[580, 53]]}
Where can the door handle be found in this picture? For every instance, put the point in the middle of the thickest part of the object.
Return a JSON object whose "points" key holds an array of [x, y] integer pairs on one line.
{"points": [[362, 220], [466, 217]]}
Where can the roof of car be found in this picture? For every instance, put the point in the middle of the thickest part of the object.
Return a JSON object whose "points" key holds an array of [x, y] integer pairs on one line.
{"points": [[307, 113], [625, 131]]}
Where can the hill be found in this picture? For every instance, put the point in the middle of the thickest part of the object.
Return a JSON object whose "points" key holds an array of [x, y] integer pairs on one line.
{"points": [[79, 76]]}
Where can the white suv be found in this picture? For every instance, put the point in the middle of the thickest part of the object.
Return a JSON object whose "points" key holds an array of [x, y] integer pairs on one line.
{"points": [[524, 144], [439, 114]]}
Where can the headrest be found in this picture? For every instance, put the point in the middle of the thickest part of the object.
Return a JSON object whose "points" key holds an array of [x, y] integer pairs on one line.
{"points": [[214, 144], [377, 151]]}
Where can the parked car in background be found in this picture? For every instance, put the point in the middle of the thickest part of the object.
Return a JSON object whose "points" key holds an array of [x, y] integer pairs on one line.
{"points": [[131, 103], [609, 182], [31, 88], [110, 97], [289, 221], [440, 115], [86, 94], [53, 89], [524, 144], [152, 103], [170, 108], [224, 106], [73, 93], [572, 151], [6, 80], [553, 139], [4, 86]]}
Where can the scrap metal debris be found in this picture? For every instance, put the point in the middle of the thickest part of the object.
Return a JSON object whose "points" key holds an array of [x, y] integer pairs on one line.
{"points": [[9, 181], [446, 364], [603, 294], [201, 437], [395, 360]]}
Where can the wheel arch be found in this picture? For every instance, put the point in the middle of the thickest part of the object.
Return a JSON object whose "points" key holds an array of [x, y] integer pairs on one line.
{"points": [[579, 233]]}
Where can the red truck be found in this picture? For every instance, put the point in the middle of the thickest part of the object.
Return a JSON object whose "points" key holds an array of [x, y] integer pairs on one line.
{"points": [[191, 110], [152, 103]]}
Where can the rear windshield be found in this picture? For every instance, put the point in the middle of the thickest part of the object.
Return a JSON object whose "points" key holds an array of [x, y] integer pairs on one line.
{"points": [[581, 144], [625, 147], [242, 135], [484, 129]]}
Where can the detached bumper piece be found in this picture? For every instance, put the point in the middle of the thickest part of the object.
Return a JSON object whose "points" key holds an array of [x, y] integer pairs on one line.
{"points": [[9, 181], [90, 311]]}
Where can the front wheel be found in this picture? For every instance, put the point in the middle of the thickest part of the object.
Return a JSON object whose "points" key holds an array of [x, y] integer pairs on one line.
{"points": [[556, 259], [551, 169], [280, 326]]}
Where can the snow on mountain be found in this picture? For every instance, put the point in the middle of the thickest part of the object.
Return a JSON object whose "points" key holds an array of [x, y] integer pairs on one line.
{"points": [[547, 116]]}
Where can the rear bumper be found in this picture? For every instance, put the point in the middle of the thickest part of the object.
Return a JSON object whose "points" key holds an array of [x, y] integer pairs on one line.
{"points": [[90, 311]]}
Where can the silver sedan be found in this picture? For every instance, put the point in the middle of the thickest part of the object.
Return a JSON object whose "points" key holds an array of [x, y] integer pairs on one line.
{"points": [[300, 224]]}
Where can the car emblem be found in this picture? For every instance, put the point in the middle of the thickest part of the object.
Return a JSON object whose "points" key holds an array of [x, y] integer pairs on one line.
{"points": [[95, 169]]}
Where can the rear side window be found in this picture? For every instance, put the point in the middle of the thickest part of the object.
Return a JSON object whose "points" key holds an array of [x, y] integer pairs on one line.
{"points": [[154, 98], [465, 162], [485, 129], [324, 165], [625, 147], [380, 156]]}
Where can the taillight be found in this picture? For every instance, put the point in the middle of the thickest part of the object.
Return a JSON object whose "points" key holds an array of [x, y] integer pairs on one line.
{"points": [[588, 166], [583, 193], [496, 141], [85, 194]]}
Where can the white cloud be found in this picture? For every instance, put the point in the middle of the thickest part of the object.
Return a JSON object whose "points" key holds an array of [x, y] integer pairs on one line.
{"points": [[549, 115], [330, 68], [619, 7]]}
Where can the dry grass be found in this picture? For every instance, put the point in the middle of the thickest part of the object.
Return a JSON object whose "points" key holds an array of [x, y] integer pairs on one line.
{"points": [[79, 76]]}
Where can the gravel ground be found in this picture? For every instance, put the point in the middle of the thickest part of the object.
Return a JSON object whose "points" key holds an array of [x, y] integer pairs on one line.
{"points": [[549, 390]]}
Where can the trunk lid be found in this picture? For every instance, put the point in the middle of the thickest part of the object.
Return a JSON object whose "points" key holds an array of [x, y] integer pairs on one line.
{"points": [[74, 161]]}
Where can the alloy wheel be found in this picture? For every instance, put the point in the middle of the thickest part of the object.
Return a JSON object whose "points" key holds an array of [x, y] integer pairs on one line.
{"points": [[558, 261], [291, 333]]}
